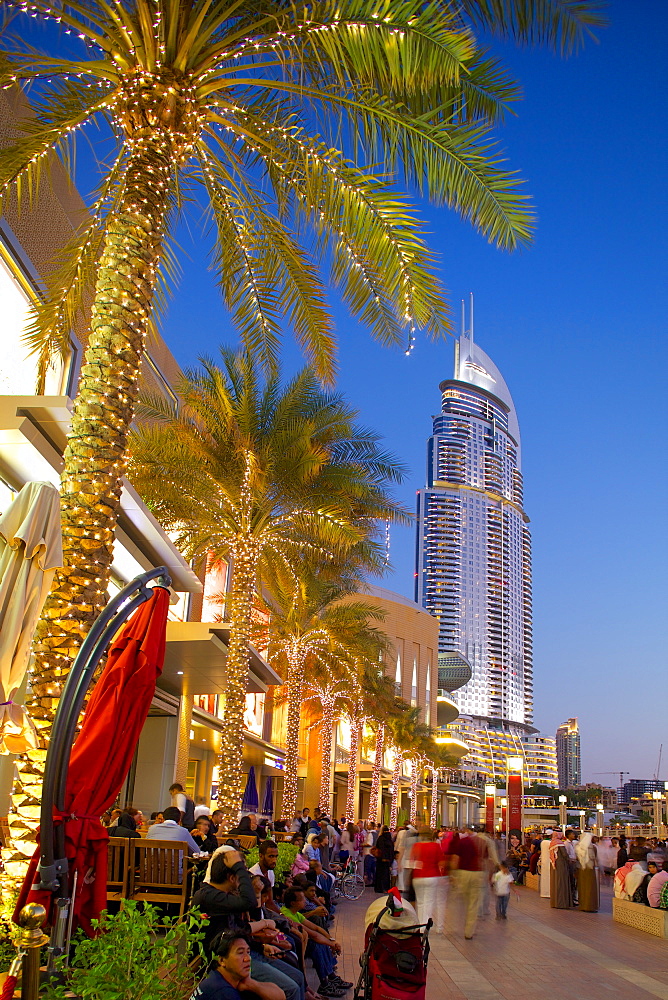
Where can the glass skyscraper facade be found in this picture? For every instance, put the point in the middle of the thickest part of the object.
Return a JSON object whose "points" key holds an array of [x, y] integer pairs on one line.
{"points": [[473, 552]]}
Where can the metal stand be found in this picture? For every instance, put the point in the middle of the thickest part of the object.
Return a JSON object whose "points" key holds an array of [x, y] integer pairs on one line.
{"points": [[31, 940], [53, 867]]}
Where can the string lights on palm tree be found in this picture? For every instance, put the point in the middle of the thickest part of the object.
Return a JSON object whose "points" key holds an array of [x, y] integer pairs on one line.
{"points": [[276, 113], [263, 476]]}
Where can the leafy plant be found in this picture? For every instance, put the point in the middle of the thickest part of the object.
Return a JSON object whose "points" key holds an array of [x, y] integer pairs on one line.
{"points": [[137, 955], [286, 859]]}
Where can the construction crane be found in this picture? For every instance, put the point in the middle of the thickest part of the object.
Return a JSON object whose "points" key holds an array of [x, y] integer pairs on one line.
{"points": [[621, 777]]}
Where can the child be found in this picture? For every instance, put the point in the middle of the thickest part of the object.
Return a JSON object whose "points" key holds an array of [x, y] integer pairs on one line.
{"points": [[501, 883], [394, 869]]}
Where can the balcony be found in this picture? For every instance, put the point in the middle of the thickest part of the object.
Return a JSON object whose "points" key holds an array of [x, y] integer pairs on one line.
{"points": [[446, 710]]}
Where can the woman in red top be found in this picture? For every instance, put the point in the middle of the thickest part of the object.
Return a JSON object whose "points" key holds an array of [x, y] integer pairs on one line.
{"points": [[428, 864]]}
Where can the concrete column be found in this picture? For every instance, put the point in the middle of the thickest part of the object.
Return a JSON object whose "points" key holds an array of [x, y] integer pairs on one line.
{"points": [[155, 764], [183, 739]]}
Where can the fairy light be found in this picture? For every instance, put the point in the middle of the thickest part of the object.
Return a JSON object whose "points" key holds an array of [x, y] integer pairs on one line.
{"points": [[433, 813], [375, 775], [396, 787]]}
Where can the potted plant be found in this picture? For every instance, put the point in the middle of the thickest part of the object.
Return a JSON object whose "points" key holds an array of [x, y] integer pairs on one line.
{"points": [[135, 955]]}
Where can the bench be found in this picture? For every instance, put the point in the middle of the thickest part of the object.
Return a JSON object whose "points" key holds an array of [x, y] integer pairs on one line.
{"points": [[154, 871], [644, 918]]}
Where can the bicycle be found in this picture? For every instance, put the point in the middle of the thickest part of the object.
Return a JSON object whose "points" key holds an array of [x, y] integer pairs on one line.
{"points": [[347, 881]]}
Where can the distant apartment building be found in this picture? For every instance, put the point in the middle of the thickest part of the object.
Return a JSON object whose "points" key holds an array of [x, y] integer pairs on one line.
{"points": [[568, 754], [635, 788]]}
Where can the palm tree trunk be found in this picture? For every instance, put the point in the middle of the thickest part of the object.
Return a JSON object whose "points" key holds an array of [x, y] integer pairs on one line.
{"points": [[230, 758], [95, 453], [295, 686], [375, 774], [396, 774], [356, 723], [433, 817], [418, 768], [326, 727]]}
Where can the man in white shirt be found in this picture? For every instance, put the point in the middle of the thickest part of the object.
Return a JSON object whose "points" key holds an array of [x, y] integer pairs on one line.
{"points": [[265, 866], [184, 804], [201, 809]]}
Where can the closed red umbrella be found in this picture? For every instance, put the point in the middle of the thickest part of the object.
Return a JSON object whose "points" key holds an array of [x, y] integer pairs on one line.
{"points": [[102, 755]]}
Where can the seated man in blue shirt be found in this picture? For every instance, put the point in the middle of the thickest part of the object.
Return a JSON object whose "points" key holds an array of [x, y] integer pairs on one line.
{"points": [[230, 978], [171, 829]]}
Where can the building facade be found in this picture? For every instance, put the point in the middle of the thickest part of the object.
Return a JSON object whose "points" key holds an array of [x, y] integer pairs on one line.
{"points": [[540, 757], [473, 552], [568, 754], [635, 788]]}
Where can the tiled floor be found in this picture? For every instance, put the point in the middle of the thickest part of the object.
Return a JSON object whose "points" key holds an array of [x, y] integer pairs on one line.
{"points": [[537, 953]]}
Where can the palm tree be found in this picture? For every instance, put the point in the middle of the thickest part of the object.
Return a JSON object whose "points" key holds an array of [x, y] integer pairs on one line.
{"points": [[258, 474], [329, 685], [227, 98], [308, 619], [372, 702], [409, 736]]}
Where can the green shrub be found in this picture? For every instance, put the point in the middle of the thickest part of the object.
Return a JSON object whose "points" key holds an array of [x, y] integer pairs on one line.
{"points": [[137, 955]]}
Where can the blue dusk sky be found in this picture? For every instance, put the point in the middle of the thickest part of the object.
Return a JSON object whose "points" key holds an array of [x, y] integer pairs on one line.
{"points": [[577, 326]]}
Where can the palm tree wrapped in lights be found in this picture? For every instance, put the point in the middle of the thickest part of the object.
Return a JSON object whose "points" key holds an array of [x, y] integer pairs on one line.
{"points": [[275, 112], [245, 470], [312, 614]]}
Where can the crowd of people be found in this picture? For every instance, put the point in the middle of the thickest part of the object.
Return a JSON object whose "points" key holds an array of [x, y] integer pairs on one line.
{"points": [[260, 932]]}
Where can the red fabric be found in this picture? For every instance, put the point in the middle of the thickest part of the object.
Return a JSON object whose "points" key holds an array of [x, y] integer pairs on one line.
{"points": [[102, 755], [427, 857]]}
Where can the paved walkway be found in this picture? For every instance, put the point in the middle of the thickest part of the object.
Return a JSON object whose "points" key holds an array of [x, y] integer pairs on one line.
{"points": [[537, 952]]}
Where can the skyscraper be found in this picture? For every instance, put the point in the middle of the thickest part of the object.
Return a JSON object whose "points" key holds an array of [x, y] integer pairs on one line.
{"points": [[568, 754], [473, 553]]}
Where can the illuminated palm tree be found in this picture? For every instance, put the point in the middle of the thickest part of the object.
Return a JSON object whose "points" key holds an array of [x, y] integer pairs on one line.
{"points": [[307, 619], [260, 475], [275, 114]]}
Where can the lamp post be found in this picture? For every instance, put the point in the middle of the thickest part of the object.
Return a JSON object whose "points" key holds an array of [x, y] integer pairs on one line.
{"points": [[658, 811], [599, 818], [490, 797], [563, 817], [514, 791], [582, 820], [504, 803]]}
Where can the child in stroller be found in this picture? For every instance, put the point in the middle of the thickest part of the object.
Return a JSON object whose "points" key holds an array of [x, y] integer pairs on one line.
{"points": [[394, 961]]}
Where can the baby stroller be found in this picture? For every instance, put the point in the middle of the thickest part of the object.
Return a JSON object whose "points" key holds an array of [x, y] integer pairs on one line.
{"points": [[394, 961]]}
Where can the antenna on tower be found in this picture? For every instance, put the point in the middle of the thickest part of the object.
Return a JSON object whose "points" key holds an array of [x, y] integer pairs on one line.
{"points": [[471, 318], [463, 318]]}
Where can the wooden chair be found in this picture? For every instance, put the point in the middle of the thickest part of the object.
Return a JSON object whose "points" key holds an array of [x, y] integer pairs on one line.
{"points": [[4, 831], [247, 843], [118, 868], [159, 872]]}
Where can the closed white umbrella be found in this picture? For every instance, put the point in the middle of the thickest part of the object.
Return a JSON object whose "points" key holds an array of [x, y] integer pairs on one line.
{"points": [[30, 552]]}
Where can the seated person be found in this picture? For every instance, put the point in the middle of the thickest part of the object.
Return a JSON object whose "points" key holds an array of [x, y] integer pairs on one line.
{"points": [[227, 898], [311, 849], [630, 875], [216, 821], [285, 939], [171, 829], [320, 947], [156, 817], [656, 884], [229, 975], [314, 898], [324, 880], [202, 835], [126, 825], [313, 910], [246, 827]]}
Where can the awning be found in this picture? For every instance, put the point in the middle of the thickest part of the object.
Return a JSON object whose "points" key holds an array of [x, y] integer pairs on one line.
{"points": [[196, 661], [33, 434]]}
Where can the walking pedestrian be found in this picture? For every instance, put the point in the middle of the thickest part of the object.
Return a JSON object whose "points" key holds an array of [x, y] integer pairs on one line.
{"points": [[428, 866], [465, 869], [501, 883], [384, 853]]}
